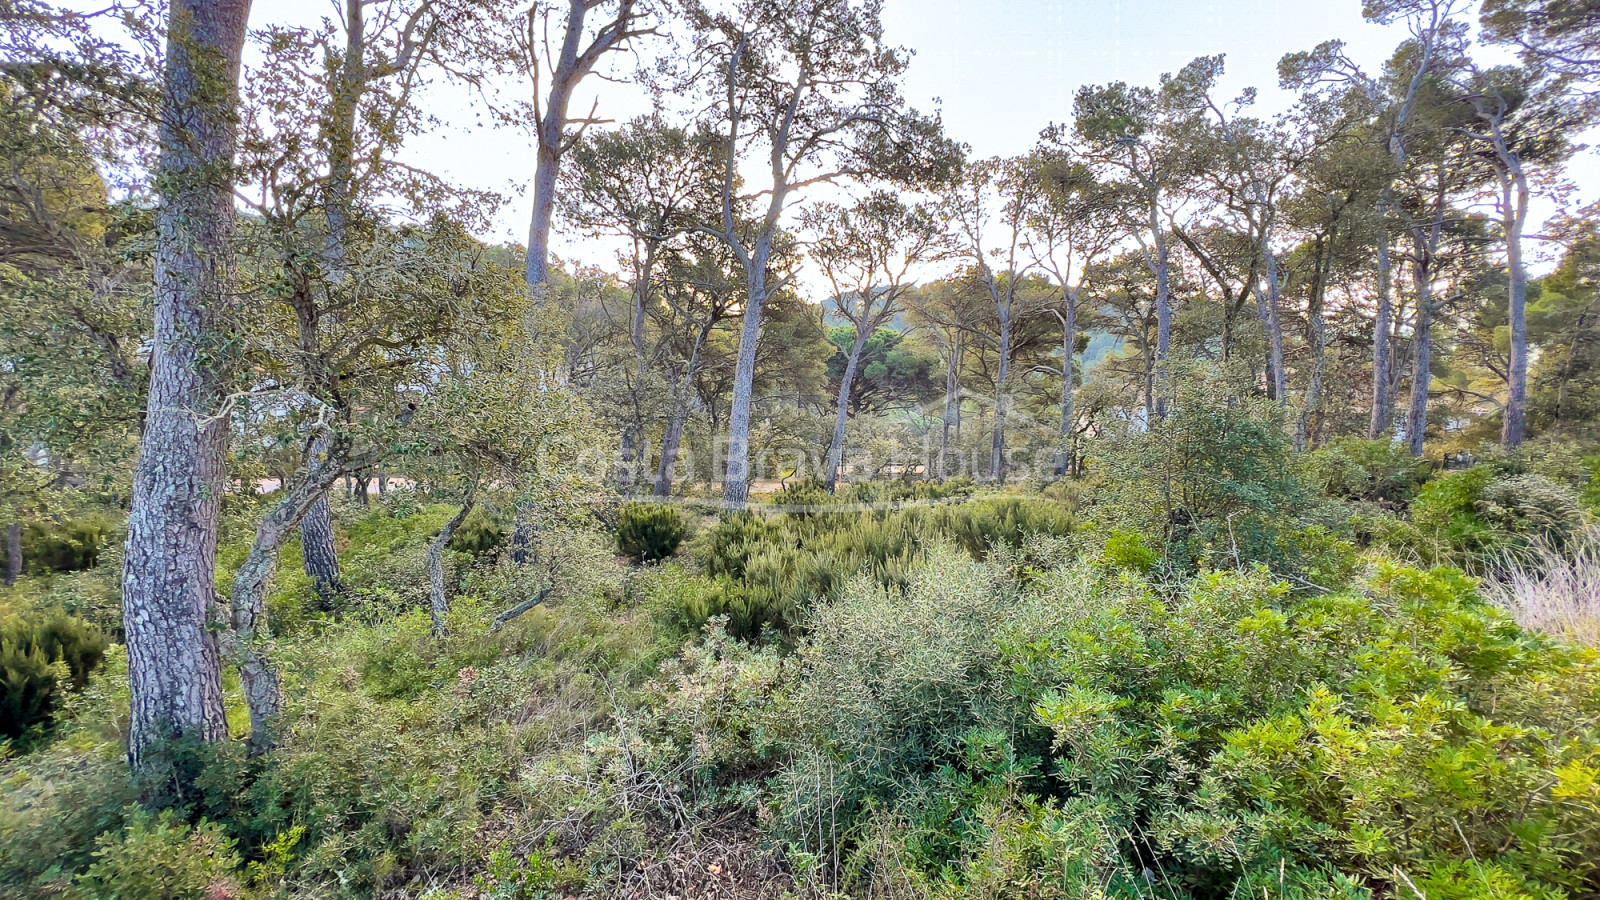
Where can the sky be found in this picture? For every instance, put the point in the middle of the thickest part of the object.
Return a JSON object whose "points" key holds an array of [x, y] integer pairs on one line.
{"points": [[997, 70]]}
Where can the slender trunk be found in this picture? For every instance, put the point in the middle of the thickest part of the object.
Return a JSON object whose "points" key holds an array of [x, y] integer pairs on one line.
{"points": [[1069, 342], [439, 602], [1382, 355], [1319, 346], [1272, 320], [842, 414], [1163, 305], [243, 642], [1421, 364], [952, 405], [1515, 203], [316, 537], [997, 451], [169, 574], [736, 481], [670, 441], [563, 78], [673, 439], [13, 553]]}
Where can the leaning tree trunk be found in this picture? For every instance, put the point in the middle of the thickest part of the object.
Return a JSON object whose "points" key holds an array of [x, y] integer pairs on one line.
{"points": [[316, 538], [13, 553], [169, 573], [243, 641], [439, 601], [842, 414], [736, 481]]}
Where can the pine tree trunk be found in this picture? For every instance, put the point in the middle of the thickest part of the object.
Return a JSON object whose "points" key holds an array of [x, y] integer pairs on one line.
{"points": [[1163, 308], [673, 439], [736, 481], [1421, 366], [1382, 355], [997, 450], [1515, 204], [169, 574], [316, 538], [563, 78], [841, 415], [1069, 347], [952, 406]]}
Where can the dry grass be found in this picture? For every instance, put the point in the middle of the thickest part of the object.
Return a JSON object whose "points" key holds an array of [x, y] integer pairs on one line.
{"points": [[1557, 592]]}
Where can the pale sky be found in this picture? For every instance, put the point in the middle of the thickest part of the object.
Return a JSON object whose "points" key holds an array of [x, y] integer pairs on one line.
{"points": [[1000, 69]]}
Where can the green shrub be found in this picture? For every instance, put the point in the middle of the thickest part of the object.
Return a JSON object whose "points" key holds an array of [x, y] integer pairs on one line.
{"points": [[481, 533], [1082, 734], [1472, 518], [70, 546], [35, 652], [161, 858], [1384, 471], [1212, 485], [650, 532]]}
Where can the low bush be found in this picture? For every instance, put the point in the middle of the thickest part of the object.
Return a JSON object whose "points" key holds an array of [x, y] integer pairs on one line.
{"points": [[66, 546], [1085, 735], [648, 532], [162, 858], [1475, 517], [1381, 471], [42, 655]]}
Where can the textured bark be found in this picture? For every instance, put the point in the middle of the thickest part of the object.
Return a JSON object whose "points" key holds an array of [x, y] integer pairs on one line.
{"points": [[736, 481], [842, 413], [316, 538], [1382, 355], [1421, 364], [174, 658], [13, 553], [439, 601], [1319, 344], [1272, 320], [572, 65], [248, 630], [1160, 266], [1514, 197]]}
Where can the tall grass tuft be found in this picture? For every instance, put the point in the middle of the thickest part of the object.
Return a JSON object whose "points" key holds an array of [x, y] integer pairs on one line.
{"points": [[1554, 590]]}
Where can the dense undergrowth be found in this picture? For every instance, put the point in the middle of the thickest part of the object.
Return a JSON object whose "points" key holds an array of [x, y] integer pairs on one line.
{"points": [[1280, 680]]}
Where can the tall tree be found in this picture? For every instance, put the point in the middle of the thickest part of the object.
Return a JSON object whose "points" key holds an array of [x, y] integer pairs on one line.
{"points": [[1071, 225], [1524, 118], [1128, 134], [588, 29], [810, 88], [1435, 32], [169, 576], [646, 183], [867, 253]]}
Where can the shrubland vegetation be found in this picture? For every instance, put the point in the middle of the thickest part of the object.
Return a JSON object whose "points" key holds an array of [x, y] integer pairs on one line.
{"points": [[1200, 505]]}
